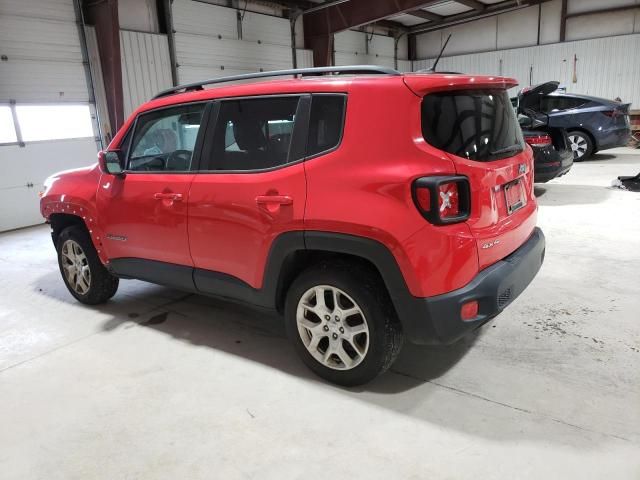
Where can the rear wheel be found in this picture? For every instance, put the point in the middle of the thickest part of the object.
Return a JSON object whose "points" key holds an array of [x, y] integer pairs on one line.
{"points": [[82, 271], [342, 323], [581, 145]]}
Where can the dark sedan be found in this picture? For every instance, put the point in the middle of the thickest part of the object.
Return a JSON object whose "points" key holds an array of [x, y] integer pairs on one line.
{"points": [[592, 123]]}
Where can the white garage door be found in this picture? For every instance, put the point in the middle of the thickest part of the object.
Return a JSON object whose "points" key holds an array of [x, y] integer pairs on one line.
{"points": [[44, 101], [208, 42]]}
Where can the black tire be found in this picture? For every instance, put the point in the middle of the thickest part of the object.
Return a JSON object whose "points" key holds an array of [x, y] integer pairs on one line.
{"points": [[368, 293], [102, 285], [583, 145]]}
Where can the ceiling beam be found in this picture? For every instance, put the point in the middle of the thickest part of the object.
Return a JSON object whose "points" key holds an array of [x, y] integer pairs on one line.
{"points": [[479, 6], [472, 15], [356, 13], [423, 14]]}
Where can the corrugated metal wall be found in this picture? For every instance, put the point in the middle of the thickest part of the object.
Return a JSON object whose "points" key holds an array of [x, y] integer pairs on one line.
{"points": [[146, 67], [209, 44], [361, 48], [44, 60], [605, 67]]}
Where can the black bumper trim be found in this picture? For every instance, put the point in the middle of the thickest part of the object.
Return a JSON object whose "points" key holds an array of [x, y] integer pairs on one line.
{"points": [[437, 319]]}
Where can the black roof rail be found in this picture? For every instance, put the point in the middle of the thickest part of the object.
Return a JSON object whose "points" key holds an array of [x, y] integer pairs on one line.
{"points": [[351, 69]]}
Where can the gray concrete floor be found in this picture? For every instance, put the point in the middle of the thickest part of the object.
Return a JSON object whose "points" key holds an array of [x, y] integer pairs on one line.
{"points": [[159, 384]]}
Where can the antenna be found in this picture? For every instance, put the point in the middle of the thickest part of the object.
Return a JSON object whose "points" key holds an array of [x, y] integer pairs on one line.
{"points": [[433, 67]]}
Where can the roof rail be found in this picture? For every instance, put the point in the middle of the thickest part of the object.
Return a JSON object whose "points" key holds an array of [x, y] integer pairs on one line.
{"points": [[351, 69]]}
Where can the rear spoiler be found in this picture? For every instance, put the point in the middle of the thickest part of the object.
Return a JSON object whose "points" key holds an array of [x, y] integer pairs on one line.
{"points": [[421, 83]]}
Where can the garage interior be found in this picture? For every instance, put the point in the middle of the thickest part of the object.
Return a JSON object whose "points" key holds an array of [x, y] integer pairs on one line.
{"points": [[158, 383]]}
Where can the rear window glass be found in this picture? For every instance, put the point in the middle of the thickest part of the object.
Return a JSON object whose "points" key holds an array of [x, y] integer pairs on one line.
{"points": [[475, 124]]}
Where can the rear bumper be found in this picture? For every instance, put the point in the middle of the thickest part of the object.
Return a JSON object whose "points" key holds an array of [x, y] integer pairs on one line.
{"points": [[437, 319], [551, 164], [616, 137]]}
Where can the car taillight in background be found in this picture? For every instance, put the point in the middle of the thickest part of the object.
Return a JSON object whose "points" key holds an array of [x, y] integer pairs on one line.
{"points": [[443, 199], [538, 140]]}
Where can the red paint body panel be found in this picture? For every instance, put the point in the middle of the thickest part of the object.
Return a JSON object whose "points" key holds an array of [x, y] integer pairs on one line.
{"points": [[362, 188], [230, 232], [154, 228]]}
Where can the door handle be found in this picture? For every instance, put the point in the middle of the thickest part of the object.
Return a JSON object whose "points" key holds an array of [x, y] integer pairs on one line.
{"points": [[277, 199], [176, 197]]}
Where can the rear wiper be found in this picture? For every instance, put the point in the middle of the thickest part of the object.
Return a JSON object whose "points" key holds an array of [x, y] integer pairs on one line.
{"points": [[517, 148]]}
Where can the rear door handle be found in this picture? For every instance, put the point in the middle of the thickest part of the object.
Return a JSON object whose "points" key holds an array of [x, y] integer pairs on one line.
{"points": [[176, 197], [277, 199]]}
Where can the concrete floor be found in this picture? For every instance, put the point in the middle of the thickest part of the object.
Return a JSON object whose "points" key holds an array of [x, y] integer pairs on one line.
{"points": [[159, 384]]}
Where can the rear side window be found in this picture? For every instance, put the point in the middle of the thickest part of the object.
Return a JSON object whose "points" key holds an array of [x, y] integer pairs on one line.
{"points": [[326, 123], [475, 124], [552, 103], [253, 134]]}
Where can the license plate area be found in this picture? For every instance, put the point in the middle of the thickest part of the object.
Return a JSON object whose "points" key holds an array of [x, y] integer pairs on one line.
{"points": [[514, 195]]}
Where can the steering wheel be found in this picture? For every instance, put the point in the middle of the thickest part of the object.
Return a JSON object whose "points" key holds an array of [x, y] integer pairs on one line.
{"points": [[179, 157]]}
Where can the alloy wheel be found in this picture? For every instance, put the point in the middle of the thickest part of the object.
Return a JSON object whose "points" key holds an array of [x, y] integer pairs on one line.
{"points": [[76, 267], [332, 327], [578, 145]]}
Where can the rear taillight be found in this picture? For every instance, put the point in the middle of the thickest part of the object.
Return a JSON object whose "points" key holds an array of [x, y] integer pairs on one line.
{"points": [[538, 140], [611, 113], [442, 200]]}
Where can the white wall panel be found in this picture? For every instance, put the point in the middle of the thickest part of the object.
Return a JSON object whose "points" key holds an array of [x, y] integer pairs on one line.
{"points": [[47, 9], [602, 25], [146, 67], [550, 22], [606, 67], [518, 28], [199, 18], [304, 58], [349, 41], [42, 45], [266, 29], [208, 44]]}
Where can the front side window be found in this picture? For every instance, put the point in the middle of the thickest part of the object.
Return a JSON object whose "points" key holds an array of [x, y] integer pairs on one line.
{"points": [[478, 125], [253, 134], [164, 140]]}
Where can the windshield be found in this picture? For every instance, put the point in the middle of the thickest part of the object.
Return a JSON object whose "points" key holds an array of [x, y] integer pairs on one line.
{"points": [[478, 125]]}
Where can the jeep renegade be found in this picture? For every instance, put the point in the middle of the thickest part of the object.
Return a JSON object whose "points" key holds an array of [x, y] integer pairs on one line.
{"points": [[365, 205]]}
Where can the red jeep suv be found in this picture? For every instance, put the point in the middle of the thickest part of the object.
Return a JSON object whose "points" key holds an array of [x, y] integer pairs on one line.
{"points": [[366, 205]]}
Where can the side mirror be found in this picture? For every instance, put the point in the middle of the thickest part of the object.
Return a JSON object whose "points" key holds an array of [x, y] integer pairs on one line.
{"points": [[111, 162]]}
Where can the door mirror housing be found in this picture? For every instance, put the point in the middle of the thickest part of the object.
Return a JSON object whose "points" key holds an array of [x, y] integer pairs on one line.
{"points": [[111, 162]]}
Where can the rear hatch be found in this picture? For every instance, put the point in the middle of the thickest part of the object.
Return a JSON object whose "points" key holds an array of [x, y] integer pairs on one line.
{"points": [[476, 126]]}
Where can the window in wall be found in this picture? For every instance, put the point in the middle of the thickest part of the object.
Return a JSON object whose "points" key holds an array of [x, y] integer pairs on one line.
{"points": [[52, 122], [7, 129], [253, 134], [164, 140], [326, 123]]}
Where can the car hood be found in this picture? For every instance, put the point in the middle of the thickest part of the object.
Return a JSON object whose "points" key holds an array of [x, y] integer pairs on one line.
{"points": [[529, 97]]}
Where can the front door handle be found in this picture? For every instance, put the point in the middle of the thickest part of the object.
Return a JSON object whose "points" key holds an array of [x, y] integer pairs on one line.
{"points": [[274, 199], [176, 197]]}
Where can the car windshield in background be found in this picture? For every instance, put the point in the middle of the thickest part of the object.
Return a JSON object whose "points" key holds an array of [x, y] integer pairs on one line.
{"points": [[475, 124]]}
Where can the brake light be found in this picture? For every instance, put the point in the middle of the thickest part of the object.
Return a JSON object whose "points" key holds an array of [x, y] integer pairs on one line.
{"points": [[610, 113], [448, 200], [538, 141], [442, 200]]}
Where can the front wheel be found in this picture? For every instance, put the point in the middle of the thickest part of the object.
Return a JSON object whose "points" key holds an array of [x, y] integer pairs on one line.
{"points": [[342, 323], [581, 145], [82, 271]]}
